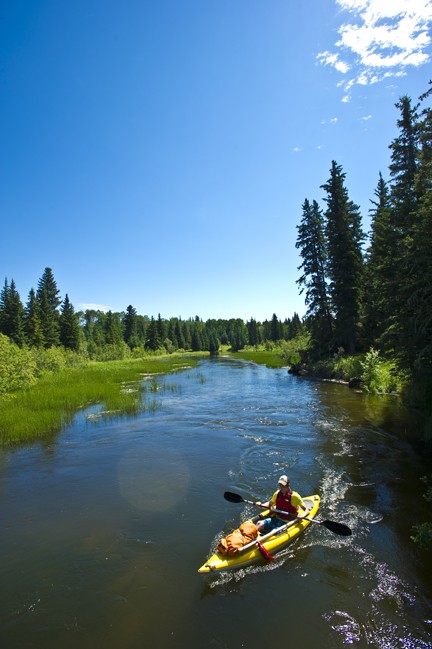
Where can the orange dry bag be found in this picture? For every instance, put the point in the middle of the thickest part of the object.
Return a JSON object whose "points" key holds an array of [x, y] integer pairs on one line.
{"points": [[232, 543]]}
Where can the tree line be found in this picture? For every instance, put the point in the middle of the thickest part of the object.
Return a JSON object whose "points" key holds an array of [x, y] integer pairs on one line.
{"points": [[46, 321], [375, 291]]}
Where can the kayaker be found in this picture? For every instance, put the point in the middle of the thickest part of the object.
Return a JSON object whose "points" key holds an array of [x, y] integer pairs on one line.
{"points": [[284, 499]]}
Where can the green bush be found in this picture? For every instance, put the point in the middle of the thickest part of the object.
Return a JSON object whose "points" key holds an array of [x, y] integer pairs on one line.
{"points": [[17, 367], [55, 359], [295, 350], [380, 375], [346, 367]]}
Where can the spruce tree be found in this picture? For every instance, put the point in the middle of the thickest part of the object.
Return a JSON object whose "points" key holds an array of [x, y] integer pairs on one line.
{"points": [[130, 327], [398, 336], [253, 333], [197, 343], [275, 329], [420, 300], [12, 314], [403, 168], [153, 342], [32, 321], [4, 309], [69, 327], [49, 320], [180, 335], [379, 270], [113, 329], [48, 297], [345, 259], [214, 342], [312, 244], [161, 329], [48, 284]]}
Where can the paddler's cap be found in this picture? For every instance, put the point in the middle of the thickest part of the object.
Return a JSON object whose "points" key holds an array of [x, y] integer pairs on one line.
{"points": [[283, 480]]}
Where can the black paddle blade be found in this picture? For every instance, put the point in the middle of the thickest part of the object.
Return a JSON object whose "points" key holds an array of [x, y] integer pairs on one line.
{"points": [[233, 498], [337, 528]]}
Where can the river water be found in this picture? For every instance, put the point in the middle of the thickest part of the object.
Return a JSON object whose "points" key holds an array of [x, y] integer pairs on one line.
{"points": [[103, 528]]}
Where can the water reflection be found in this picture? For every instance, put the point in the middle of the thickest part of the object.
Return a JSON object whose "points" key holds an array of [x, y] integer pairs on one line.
{"points": [[103, 529]]}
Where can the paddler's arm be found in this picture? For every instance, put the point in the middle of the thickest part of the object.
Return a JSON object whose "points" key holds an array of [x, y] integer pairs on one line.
{"points": [[297, 501], [270, 504]]}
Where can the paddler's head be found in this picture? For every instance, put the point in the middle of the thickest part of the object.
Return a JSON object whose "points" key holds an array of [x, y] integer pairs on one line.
{"points": [[284, 483]]}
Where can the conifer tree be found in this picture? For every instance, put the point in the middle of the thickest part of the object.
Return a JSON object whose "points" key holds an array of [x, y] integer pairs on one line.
{"points": [[253, 332], [398, 336], [48, 284], [48, 297], [379, 271], [420, 300], [69, 327], [295, 326], [172, 335], [312, 243], [275, 329], [4, 309], [403, 167], [49, 320], [180, 335], [32, 321], [161, 329], [113, 329], [130, 327], [345, 260], [197, 343], [12, 314], [214, 342], [153, 341]]}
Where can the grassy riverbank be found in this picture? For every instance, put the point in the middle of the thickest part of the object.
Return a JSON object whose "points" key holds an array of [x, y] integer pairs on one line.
{"points": [[52, 402], [268, 358]]}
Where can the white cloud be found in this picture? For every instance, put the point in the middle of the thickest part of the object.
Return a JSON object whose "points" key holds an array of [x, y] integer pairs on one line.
{"points": [[296, 149], [366, 118], [94, 307], [382, 38]]}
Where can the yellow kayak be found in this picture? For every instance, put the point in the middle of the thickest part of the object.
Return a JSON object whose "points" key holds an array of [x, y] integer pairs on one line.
{"points": [[273, 542]]}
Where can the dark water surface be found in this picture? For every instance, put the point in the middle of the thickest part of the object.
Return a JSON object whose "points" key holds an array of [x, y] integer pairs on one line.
{"points": [[102, 530]]}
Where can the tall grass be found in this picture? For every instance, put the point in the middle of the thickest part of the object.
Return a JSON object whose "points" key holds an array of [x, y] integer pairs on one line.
{"points": [[261, 357], [47, 406]]}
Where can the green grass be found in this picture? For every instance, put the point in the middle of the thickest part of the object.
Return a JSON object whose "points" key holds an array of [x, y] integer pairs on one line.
{"points": [[119, 386], [270, 359]]}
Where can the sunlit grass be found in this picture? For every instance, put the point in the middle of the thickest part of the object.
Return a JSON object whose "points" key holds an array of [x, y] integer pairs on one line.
{"points": [[270, 359], [119, 386]]}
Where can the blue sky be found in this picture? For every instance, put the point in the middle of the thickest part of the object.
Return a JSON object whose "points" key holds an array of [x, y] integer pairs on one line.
{"points": [[158, 153]]}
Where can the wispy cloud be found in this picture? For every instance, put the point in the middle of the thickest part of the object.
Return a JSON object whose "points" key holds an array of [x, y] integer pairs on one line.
{"points": [[94, 307], [382, 39], [296, 149]]}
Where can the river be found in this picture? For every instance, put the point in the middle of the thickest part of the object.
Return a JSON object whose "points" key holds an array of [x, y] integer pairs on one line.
{"points": [[103, 527]]}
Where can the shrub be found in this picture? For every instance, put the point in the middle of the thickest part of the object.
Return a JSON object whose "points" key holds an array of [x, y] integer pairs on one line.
{"points": [[380, 375], [17, 367]]}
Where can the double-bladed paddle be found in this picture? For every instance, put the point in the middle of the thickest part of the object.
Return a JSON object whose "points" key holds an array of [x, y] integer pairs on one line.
{"points": [[333, 526]]}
